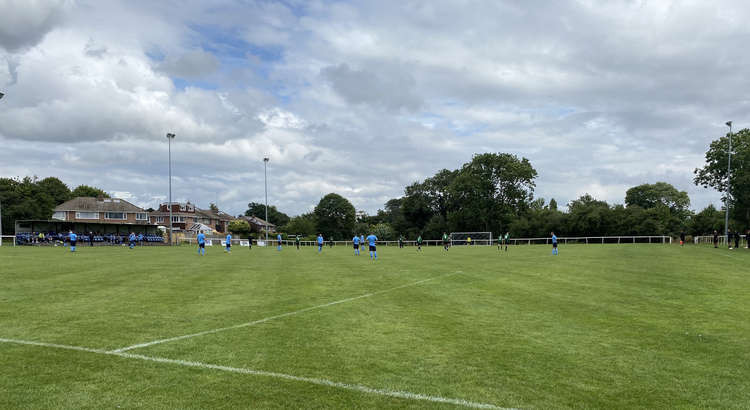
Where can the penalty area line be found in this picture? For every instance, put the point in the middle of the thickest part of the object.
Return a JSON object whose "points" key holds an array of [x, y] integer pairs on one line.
{"points": [[311, 380], [267, 319]]}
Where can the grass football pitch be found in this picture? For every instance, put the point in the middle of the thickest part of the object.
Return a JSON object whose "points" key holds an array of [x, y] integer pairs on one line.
{"points": [[599, 326]]}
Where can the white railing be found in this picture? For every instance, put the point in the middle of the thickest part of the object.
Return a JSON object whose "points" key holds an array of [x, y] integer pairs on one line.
{"points": [[593, 240], [590, 240], [722, 239], [5, 239]]}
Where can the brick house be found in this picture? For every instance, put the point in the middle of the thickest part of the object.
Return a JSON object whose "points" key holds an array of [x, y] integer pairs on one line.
{"points": [[186, 214], [100, 211]]}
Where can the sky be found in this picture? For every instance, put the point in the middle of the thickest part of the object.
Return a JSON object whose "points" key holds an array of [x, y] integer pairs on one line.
{"points": [[363, 98]]}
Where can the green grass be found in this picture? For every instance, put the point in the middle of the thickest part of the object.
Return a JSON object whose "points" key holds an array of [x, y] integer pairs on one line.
{"points": [[600, 326]]}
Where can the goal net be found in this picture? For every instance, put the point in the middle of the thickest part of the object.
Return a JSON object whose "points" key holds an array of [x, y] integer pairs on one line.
{"points": [[471, 238]]}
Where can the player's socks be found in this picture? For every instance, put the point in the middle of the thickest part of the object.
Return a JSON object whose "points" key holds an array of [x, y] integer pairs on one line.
{"points": [[376, 255]]}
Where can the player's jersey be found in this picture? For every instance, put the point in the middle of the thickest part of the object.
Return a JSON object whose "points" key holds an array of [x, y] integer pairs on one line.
{"points": [[132, 237], [296, 239], [356, 240], [362, 239], [445, 238], [554, 238], [229, 239], [201, 238], [278, 238], [320, 240], [73, 237], [372, 240], [419, 239]]}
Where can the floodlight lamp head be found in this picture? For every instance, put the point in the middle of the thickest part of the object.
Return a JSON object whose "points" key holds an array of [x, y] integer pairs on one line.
{"points": [[1, 96], [265, 159], [729, 123], [170, 135]]}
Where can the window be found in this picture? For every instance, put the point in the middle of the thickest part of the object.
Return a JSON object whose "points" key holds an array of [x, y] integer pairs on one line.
{"points": [[182, 207], [178, 219], [141, 217], [87, 215], [115, 215], [159, 219], [59, 215]]}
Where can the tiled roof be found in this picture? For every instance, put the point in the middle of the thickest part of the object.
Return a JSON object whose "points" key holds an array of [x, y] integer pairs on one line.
{"points": [[98, 205]]}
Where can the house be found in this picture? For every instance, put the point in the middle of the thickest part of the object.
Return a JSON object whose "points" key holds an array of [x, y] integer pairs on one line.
{"points": [[185, 215], [258, 224], [100, 211]]}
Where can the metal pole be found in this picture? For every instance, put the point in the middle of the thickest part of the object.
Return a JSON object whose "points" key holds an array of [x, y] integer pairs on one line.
{"points": [[170, 137], [265, 182], [729, 180], [1, 207]]}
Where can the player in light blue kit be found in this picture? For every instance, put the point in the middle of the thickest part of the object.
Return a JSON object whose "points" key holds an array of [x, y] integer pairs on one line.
{"points": [[554, 244], [320, 242], [355, 240], [201, 243], [229, 243], [372, 240], [278, 242], [131, 239], [73, 239]]}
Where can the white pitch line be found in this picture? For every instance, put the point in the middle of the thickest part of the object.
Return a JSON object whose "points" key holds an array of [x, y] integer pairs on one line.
{"points": [[259, 321], [311, 380]]}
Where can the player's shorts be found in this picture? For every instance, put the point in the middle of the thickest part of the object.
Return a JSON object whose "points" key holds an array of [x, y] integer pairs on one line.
{"points": [[132, 243], [356, 246], [73, 243], [554, 245], [372, 248], [229, 245], [202, 245]]}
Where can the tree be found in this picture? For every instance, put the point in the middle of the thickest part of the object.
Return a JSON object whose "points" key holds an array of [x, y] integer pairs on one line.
{"points": [[30, 198], [706, 221], [274, 215], [383, 231], [212, 206], [552, 205], [335, 216], [663, 201], [714, 173], [490, 191], [239, 227], [88, 191], [56, 189], [301, 225], [649, 196]]}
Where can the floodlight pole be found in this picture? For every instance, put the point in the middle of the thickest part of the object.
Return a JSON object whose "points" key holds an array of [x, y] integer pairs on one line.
{"points": [[170, 137], [1, 203], [265, 183], [729, 181]]}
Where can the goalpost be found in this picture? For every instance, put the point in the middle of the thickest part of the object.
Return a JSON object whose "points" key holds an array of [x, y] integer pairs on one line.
{"points": [[8, 240], [471, 238]]}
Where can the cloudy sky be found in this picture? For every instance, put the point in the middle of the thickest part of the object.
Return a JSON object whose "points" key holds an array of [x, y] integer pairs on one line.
{"points": [[364, 97]]}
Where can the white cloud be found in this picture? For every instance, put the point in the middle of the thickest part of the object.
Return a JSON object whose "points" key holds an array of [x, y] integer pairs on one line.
{"points": [[363, 98]]}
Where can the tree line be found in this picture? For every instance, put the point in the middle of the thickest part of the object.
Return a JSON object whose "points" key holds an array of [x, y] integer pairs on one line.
{"points": [[34, 198], [494, 192]]}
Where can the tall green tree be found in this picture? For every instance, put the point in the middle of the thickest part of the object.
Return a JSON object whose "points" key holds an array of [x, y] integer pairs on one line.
{"points": [[335, 217], [663, 201], [490, 191], [714, 173], [88, 191], [275, 216], [706, 221], [301, 225]]}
